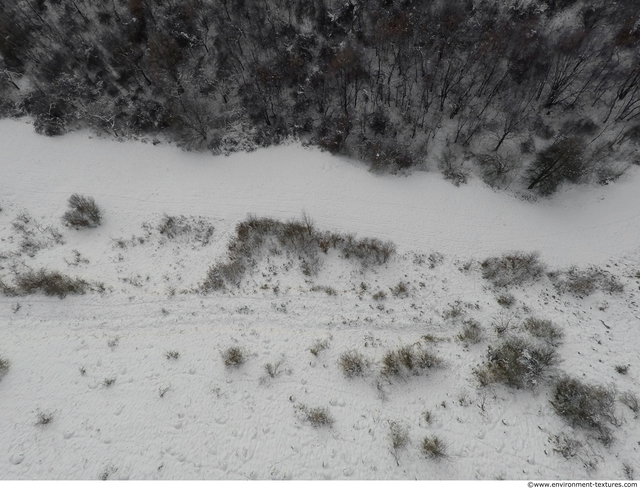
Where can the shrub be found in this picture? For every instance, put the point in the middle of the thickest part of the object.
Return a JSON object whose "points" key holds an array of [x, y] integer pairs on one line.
{"points": [[512, 269], [434, 447], [587, 406], [630, 400], [565, 446], [44, 419], [108, 382], [622, 369], [324, 288], [506, 300], [543, 329], [408, 359], [175, 226], [273, 369], [515, 363], [51, 283], [319, 346], [83, 212], [316, 417], [4, 366], [352, 364], [471, 332], [582, 283], [399, 437], [233, 357], [400, 290], [172, 354]]}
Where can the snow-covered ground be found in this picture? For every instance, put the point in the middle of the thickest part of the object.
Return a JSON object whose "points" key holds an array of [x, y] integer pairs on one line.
{"points": [[191, 417]]}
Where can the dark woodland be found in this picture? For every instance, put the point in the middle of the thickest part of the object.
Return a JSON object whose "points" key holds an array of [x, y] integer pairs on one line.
{"points": [[525, 94]]}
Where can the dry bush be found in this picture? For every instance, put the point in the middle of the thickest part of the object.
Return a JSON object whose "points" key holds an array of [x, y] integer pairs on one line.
{"points": [[233, 357], [434, 447], [587, 406], [472, 332], [83, 212], [582, 283], [630, 400], [4, 366], [352, 364], [400, 290], [44, 418], [566, 446], [543, 329], [512, 269], [408, 360], [316, 417], [516, 363], [319, 346], [399, 438], [51, 283], [506, 300], [175, 226]]}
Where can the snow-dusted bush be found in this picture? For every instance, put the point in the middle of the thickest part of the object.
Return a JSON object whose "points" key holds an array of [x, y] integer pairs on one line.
{"points": [[319, 346], [4, 366], [582, 283], [316, 416], [434, 447], [234, 357], [51, 283], [516, 363], [408, 360], [587, 406], [512, 269], [352, 364], [83, 212], [399, 438], [543, 329], [472, 332]]}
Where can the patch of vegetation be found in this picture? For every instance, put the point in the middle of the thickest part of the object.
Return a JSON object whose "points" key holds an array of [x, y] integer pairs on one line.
{"points": [[505, 300], [512, 269], [455, 311], [591, 407], [582, 283], [566, 446], [172, 355], [323, 288], [379, 296], [352, 364], [44, 418], [544, 330], [51, 283], [622, 369], [176, 226], [298, 237], [630, 400], [399, 438], [434, 447], [400, 290], [108, 382], [408, 360], [34, 236], [4, 366], [516, 363], [317, 416], [234, 357], [83, 212], [472, 332], [319, 346]]}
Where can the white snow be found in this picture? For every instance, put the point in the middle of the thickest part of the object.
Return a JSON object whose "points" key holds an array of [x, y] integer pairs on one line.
{"points": [[214, 422]]}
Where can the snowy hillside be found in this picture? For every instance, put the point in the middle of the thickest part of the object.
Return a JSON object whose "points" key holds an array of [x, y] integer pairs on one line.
{"points": [[320, 355]]}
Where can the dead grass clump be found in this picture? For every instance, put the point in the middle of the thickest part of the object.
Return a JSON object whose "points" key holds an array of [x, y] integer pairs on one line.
{"points": [[543, 329], [434, 447], [4, 366], [44, 418], [324, 288], [566, 446], [630, 400], [408, 360], [352, 364], [512, 269], [587, 406], [175, 226], [319, 346], [234, 357], [472, 332], [317, 417], [506, 300], [51, 283], [400, 290], [83, 212], [399, 438], [582, 283], [516, 363]]}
